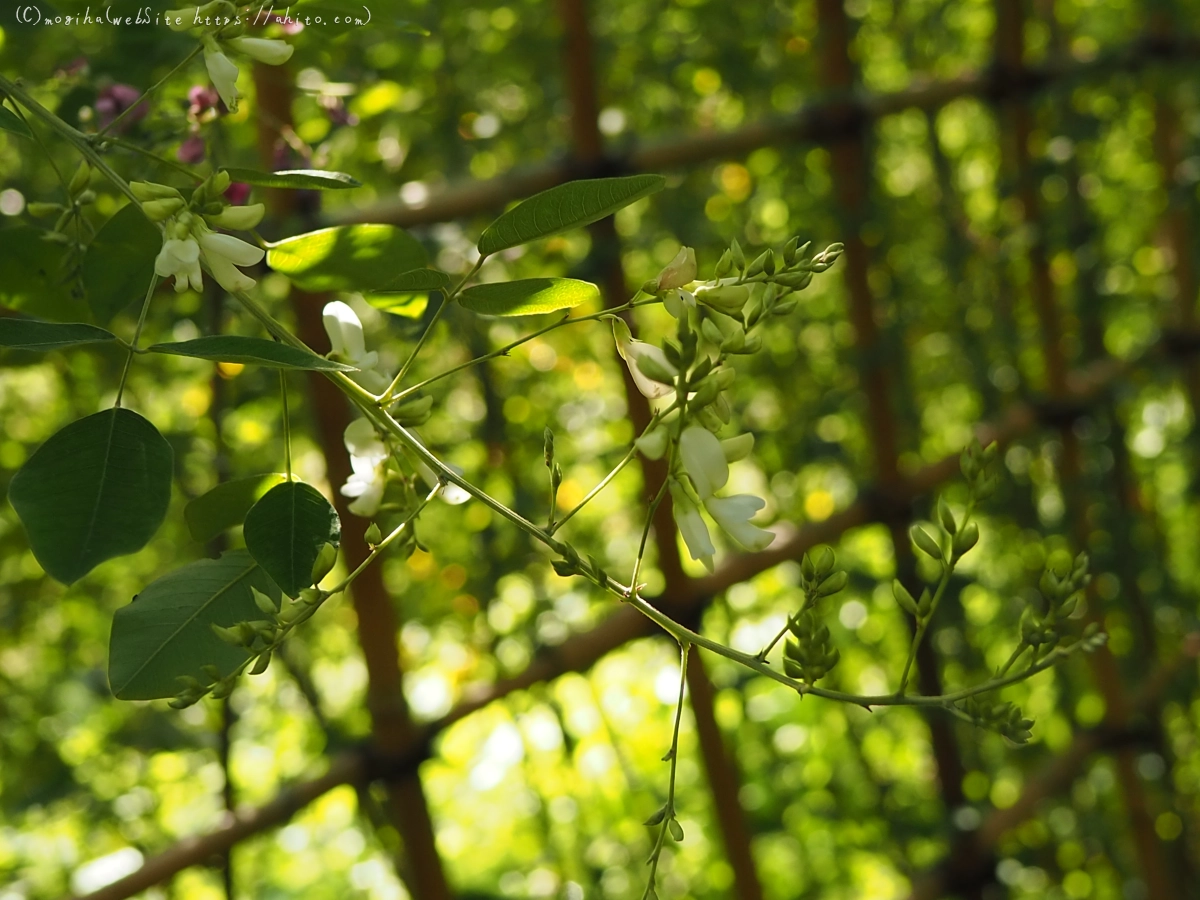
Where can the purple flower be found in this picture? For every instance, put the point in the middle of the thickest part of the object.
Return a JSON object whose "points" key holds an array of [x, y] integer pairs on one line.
{"points": [[114, 100], [237, 193], [191, 151], [202, 98]]}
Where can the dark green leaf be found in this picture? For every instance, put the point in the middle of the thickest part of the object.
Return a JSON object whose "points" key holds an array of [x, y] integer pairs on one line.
{"points": [[225, 505], [285, 531], [528, 297], [567, 206], [347, 257], [254, 351], [11, 122], [166, 632], [418, 281], [98, 488], [36, 277], [119, 263], [29, 334], [301, 179]]}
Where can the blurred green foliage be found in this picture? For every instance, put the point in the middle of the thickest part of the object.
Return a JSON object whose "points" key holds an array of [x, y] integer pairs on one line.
{"points": [[544, 794]]}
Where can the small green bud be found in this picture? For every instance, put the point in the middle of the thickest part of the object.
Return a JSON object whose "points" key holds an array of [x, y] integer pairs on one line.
{"points": [[325, 562], [86, 197], [548, 447], [211, 672], [311, 596], [261, 664], [966, 539], [222, 689], [946, 517], [415, 411], [161, 210], [711, 332], [752, 344], [80, 179], [39, 209], [789, 251], [654, 370], [373, 535], [786, 308], [808, 570], [565, 567], [903, 597], [146, 191], [724, 265], [263, 602], [925, 542], [831, 585], [653, 444], [231, 636], [657, 817], [676, 829], [739, 258], [760, 264], [925, 604]]}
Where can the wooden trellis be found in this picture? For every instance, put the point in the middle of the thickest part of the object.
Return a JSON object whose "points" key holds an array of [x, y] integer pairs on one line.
{"points": [[840, 121]]}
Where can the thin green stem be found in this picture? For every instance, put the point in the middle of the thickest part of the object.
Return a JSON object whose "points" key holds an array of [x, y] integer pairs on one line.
{"points": [[386, 397], [673, 756], [287, 426], [654, 504], [136, 335], [147, 93], [1016, 654], [606, 481], [923, 625], [129, 145], [765, 651], [387, 541]]}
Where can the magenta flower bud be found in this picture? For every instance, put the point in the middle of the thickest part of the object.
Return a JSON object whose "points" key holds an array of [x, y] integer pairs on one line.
{"points": [[191, 151], [237, 193], [114, 100]]}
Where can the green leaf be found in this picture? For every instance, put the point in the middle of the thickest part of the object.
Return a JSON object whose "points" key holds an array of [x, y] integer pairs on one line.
{"points": [[528, 296], [567, 206], [119, 263], [98, 488], [347, 257], [410, 306], [36, 277], [254, 351], [300, 179], [30, 334], [418, 281], [286, 530], [225, 505], [11, 122], [166, 632]]}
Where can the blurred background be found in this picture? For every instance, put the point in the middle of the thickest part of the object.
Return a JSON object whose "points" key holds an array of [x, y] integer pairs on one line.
{"points": [[1016, 184]]}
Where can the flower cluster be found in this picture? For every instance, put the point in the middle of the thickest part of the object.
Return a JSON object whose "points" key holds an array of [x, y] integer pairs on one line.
{"points": [[189, 239], [222, 70]]}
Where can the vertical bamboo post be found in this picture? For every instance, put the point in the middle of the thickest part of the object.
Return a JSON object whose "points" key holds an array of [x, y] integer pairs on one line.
{"points": [[851, 177], [378, 626], [1010, 51], [588, 149]]}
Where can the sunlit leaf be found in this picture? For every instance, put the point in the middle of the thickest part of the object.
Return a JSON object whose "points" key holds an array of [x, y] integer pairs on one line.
{"points": [[286, 530], [416, 281], [119, 263], [98, 488], [251, 350], [225, 505], [36, 277], [300, 179], [30, 334], [567, 206], [347, 257], [528, 296], [166, 632]]}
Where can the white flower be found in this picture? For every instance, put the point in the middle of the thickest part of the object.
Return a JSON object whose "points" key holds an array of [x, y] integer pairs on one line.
{"points": [[631, 351], [180, 258], [653, 443], [223, 252], [368, 460], [265, 50], [703, 460], [676, 302], [679, 271], [224, 74], [692, 527], [345, 332], [451, 493], [734, 513]]}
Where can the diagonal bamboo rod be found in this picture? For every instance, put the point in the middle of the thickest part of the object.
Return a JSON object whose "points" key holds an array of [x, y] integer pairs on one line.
{"points": [[821, 121], [1010, 49], [378, 625]]}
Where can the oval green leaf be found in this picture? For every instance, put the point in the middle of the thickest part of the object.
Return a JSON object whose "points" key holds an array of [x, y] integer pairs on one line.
{"points": [[299, 179], [166, 632], [225, 505], [12, 123], [347, 257], [98, 488], [30, 334], [120, 262], [37, 277], [528, 296], [253, 351], [286, 530], [418, 281], [567, 206]]}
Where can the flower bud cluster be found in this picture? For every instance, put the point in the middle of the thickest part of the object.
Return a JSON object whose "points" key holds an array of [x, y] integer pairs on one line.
{"points": [[1004, 717], [809, 653], [189, 237], [1062, 588]]}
